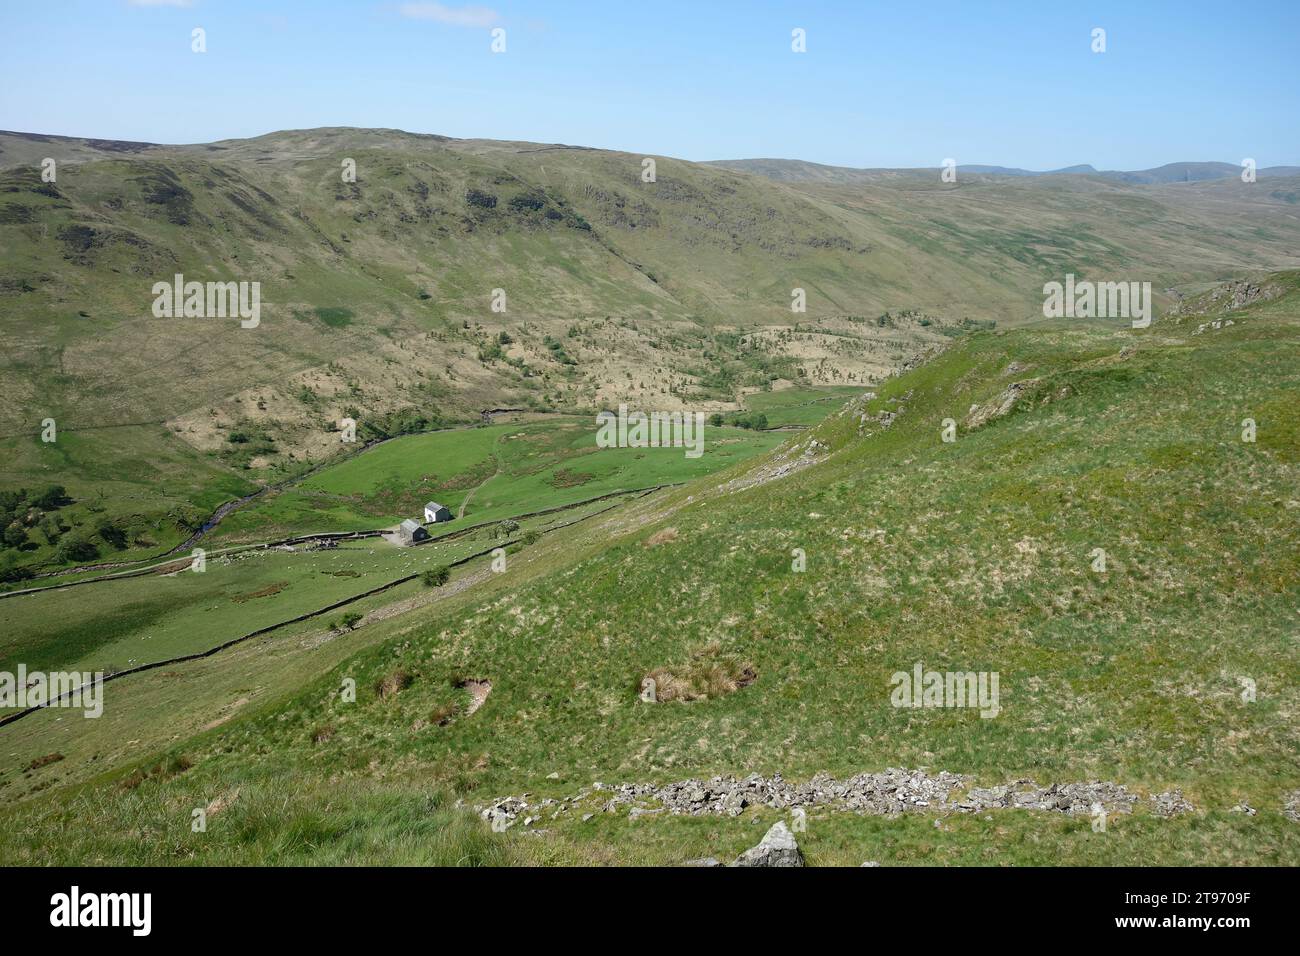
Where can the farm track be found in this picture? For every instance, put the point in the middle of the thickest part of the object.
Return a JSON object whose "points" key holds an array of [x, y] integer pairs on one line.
{"points": [[496, 457]]}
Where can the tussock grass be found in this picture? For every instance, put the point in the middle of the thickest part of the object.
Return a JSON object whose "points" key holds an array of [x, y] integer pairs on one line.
{"points": [[709, 673], [393, 683]]}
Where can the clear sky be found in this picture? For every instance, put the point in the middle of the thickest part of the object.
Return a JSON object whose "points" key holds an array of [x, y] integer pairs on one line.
{"points": [[881, 84]]}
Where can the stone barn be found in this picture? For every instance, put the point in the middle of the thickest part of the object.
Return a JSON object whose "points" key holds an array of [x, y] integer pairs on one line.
{"points": [[434, 512], [411, 531]]}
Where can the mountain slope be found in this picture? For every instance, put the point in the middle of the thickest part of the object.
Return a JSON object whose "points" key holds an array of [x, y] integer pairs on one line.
{"points": [[971, 555], [377, 295], [795, 170]]}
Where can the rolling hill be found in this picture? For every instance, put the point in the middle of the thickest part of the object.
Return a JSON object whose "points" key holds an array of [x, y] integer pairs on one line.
{"points": [[950, 517], [797, 170], [377, 297]]}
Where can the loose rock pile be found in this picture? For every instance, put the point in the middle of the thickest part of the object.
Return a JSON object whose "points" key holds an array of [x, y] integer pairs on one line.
{"points": [[892, 791], [1071, 798], [1216, 324], [1170, 804], [888, 792]]}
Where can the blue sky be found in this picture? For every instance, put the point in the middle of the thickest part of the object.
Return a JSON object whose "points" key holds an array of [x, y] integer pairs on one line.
{"points": [[882, 84]]}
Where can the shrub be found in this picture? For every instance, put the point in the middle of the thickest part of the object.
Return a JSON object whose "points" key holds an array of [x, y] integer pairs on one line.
{"points": [[10, 570], [50, 498], [529, 201], [49, 526], [73, 547], [15, 536], [347, 622], [110, 533], [436, 577]]}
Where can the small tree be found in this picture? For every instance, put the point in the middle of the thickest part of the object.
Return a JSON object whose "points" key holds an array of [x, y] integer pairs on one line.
{"points": [[110, 533], [51, 498], [11, 570], [73, 547], [51, 528], [436, 577]]}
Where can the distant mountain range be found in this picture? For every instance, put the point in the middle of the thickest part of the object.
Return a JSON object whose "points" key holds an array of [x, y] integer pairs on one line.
{"points": [[796, 170]]}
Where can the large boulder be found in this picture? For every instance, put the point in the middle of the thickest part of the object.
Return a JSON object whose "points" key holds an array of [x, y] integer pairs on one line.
{"points": [[777, 848]]}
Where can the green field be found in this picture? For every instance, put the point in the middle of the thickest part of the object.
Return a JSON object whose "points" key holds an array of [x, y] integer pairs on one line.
{"points": [[114, 625], [504, 470], [799, 406]]}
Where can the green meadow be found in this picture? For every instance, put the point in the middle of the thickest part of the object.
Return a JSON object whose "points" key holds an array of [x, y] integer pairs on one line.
{"points": [[500, 470], [113, 625], [800, 406]]}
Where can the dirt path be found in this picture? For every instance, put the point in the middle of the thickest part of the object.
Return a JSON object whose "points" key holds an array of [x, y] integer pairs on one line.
{"points": [[496, 458]]}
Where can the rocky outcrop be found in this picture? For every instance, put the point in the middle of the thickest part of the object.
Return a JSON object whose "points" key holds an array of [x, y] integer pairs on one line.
{"points": [[781, 464], [1002, 405], [777, 848], [1228, 297]]}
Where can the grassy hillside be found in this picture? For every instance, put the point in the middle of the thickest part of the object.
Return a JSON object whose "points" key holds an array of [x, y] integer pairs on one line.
{"points": [[481, 474], [534, 476], [377, 296], [972, 555]]}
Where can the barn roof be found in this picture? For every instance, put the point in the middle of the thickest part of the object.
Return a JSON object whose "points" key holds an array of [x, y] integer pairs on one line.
{"points": [[434, 505], [410, 525]]}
